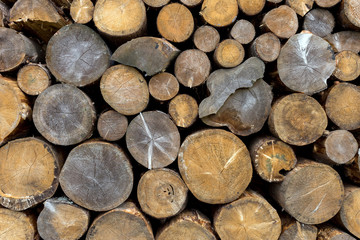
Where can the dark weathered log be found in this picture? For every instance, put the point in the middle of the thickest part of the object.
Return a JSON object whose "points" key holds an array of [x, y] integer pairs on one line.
{"points": [[327, 3], [251, 7], [97, 175], [29, 170], [347, 66], [183, 109], [219, 15], [112, 125], [320, 22], [266, 47], [345, 40], [350, 14], [329, 232], [153, 139], [301, 7], [81, 11], [206, 38], [215, 165], [243, 31], [33, 79], [163, 86], [294, 230], [229, 53]]}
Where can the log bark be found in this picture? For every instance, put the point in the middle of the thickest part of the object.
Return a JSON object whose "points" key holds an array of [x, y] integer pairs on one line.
{"points": [[215, 165], [192, 67], [77, 55], [14, 110], [206, 38], [271, 156], [312, 192], [336, 147], [81, 11], [112, 125], [38, 17], [190, 224], [33, 79], [175, 22], [62, 219], [249, 217], [163, 86], [347, 66], [251, 7], [124, 89], [320, 22], [153, 139], [305, 63], [58, 118], [341, 106], [122, 223], [327, 3], [301, 7], [219, 15], [97, 176], [266, 47], [294, 230], [329, 232], [156, 3], [29, 170], [162, 193], [243, 31], [229, 53], [349, 14], [184, 110], [16, 49], [345, 40], [297, 119]]}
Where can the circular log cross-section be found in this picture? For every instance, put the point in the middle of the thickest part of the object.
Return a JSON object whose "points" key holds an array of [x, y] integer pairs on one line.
{"points": [[251, 7], [320, 22], [297, 119], [229, 53], [175, 22], [82, 11], [266, 47], [29, 170], [243, 31], [97, 176], [301, 7], [305, 63], [347, 66], [62, 219], [250, 217], [215, 165], [191, 3], [189, 225], [327, 3], [206, 38], [183, 109], [349, 14], [33, 79], [163, 86], [156, 3], [124, 89], [153, 139], [329, 232], [312, 192], [112, 125], [64, 115], [123, 223], [76, 54], [219, 13], [162, 193], [17, 225]]}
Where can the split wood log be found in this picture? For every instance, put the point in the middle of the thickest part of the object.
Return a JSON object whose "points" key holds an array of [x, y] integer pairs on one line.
{"points": [[329, 232], [249, 116], [124, 89], [301, 7], [294, 230], [14, 110], [206, 38], [297, 119], [62, 219], [17, 225], [122, 223], [4, 14], [38, 17], [33, 79], [319, 21], [251, 7], [156, 3], [271, 156], [249, 217], [305, 63], [175, 22], [192, 67], [281, 21], [312, 192], [219, 13], [336, 147], [112, 125], [119, 21], [29, 170], [153, 139], [183, 109], [16, 49], [352, 170], [76, 54], [327, 3], [266, 47], [243, 31], [341, 106], [81, 11], [162, 193], [190, 225], [345, 40], [215, 165], [97, 175], [347, 66], [229, 53], [163, 86], [350, 14], [149, 54], [64, 115]]}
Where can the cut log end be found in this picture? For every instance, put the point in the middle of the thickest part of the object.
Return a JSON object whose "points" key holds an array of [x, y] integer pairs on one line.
{"points": [[219, 13], [163, 86], [320, 22], [112, 125], [156, 3], [229, 53], [183, 109], [191, 3], [251, 7], [327, 3], [33, 79], [301, 7], [206, 38], [82, 11], [350, 12], [266, 47], [294, 230], [350, 209], [243, 31], [347, 66]]}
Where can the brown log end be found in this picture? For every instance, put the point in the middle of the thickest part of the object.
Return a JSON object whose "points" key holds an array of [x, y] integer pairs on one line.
{"points": [[301, 7], [112, 125], [33, 79], [266, 47], [163, 86], [219, 13], [243, 31], [82, 11], [17, 225], [183, 109], [347, 66], [320, 22], [156, 3], [206, 38], [327, 3], [229, 53], [251, 7]]}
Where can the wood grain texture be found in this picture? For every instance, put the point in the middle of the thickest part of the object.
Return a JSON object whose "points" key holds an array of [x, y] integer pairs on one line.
{"points": [[81, 11], [183, 109], [347, 66], [243, 31], [294, 230], [345, 40], [163, 86], [320, 22], [156, 3], [327, 3], [229, 53], [266, 47], [191, 3], [112, 125], [219, 13], [350, 14], [251, 7], [33, 79], [206, 38], [301, 7], [330, 232]]}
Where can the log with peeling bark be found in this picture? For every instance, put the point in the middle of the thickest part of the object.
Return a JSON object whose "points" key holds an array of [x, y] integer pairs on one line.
{"points": [[294, 230], [243, 31], [301, 7], [33, 79], [62, 219], [112, 125], [229, 53], [215, 165], [350, 14], [163, 86], [249, 217], [330, 232], [183, 109], [206, 38], [347, 66], [266, 47], [162, 193], [29, 170], [190, 224], [345, 40], [312, 192], [320, 22], [82, 11], [219, 15], [251, 7], [124, 222]]}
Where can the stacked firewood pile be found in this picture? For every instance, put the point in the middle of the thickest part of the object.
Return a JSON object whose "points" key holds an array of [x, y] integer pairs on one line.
{"points": [[190, 119]]}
